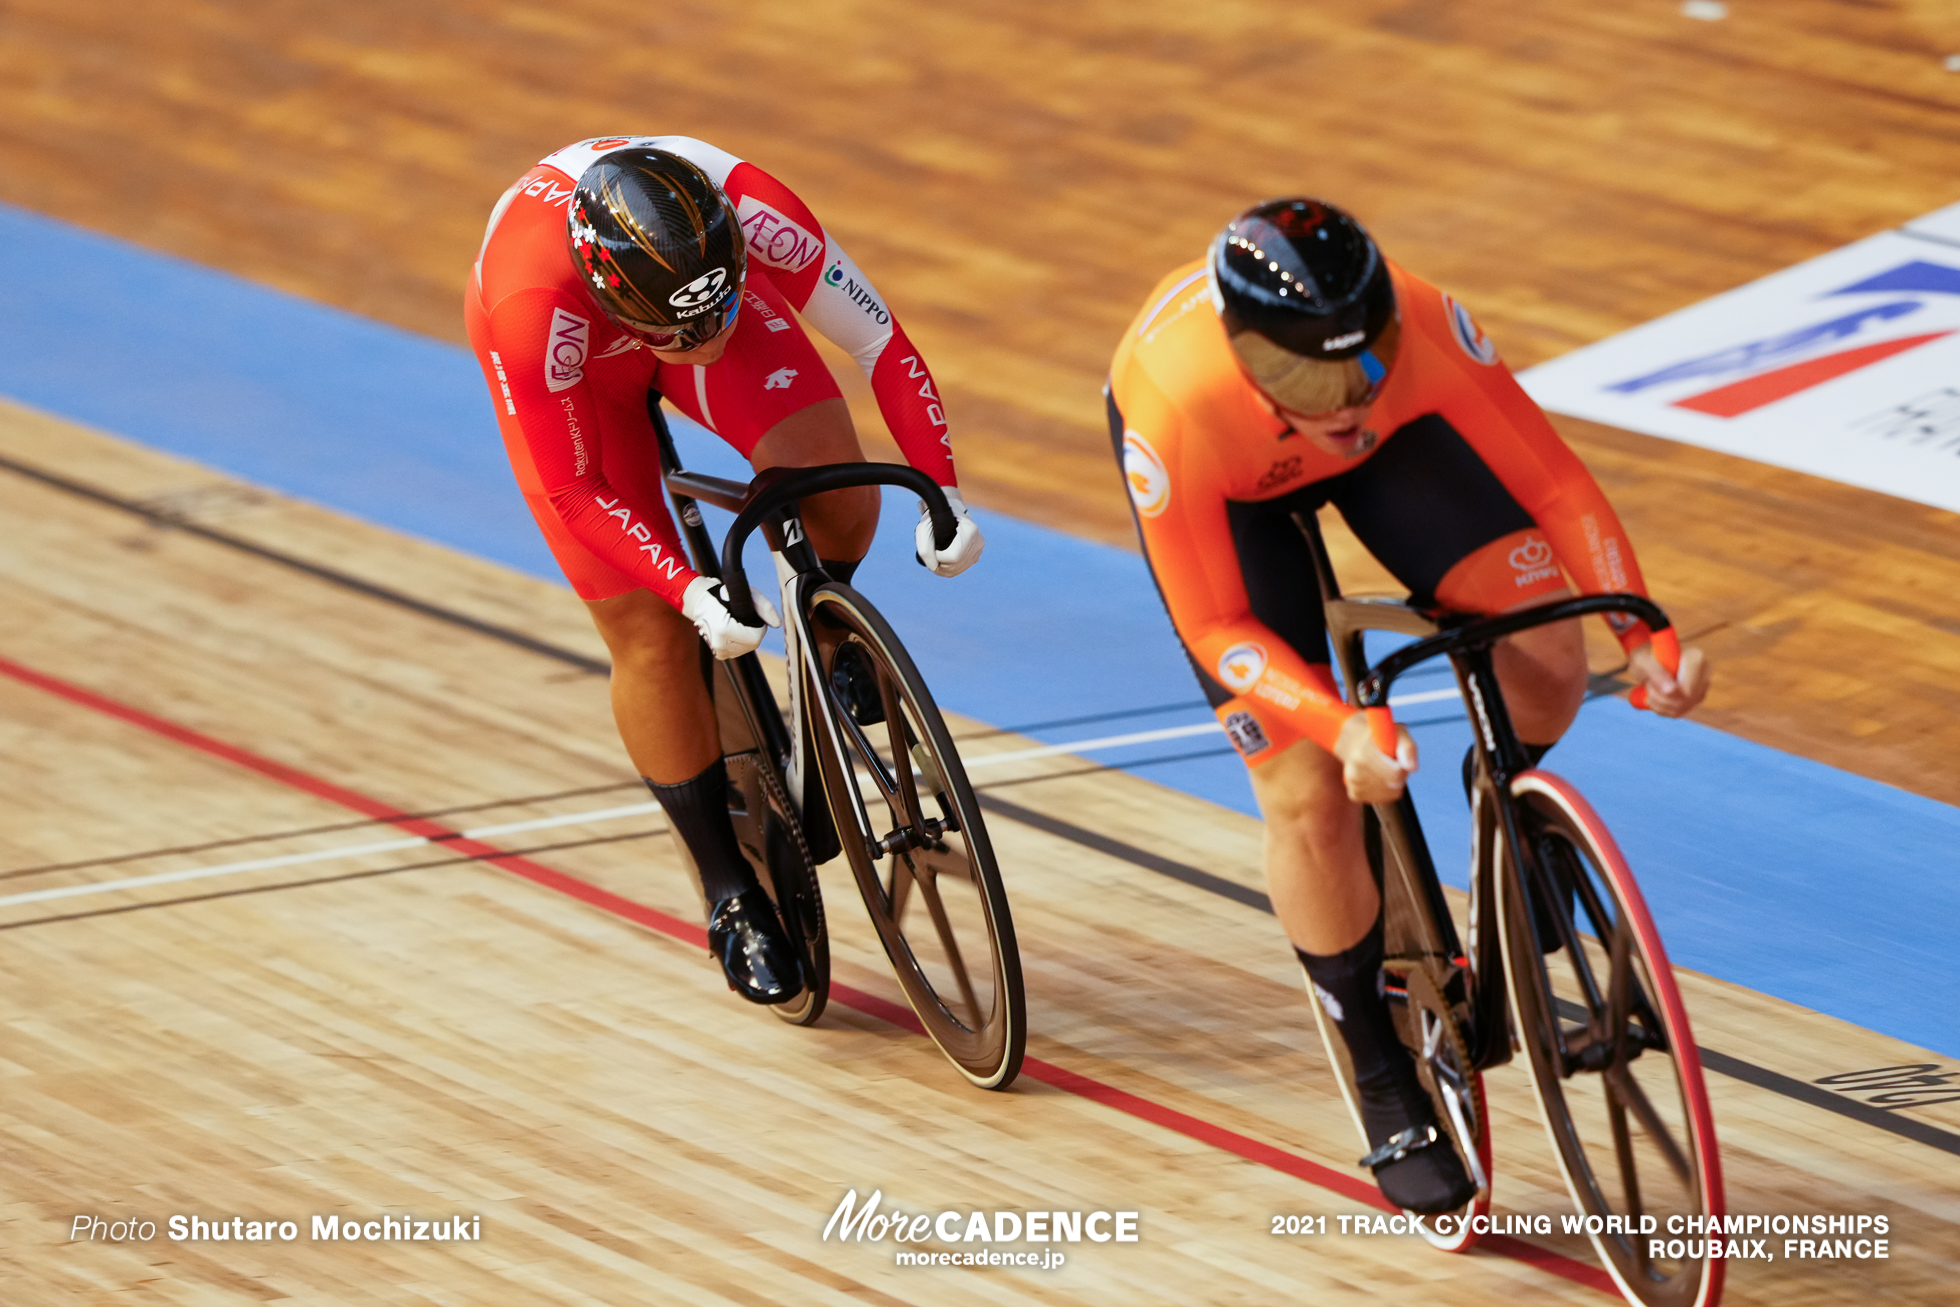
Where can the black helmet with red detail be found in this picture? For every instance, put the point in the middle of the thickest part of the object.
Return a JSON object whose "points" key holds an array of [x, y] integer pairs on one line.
{"points": [[659, 247], [1306, 299]]}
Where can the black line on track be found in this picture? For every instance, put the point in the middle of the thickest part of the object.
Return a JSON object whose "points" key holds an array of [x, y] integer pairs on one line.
{"points": [[331, 880], [1790, 1087], [1610, 683], [332, 576]]}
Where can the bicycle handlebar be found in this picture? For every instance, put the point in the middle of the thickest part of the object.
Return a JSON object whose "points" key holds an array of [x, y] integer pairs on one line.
{"points": [[1371, 692], [778, 487]]}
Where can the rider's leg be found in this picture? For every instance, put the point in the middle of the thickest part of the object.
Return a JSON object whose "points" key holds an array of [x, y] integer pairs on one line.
{"points": [[1326, 900], [840, 522], [1316, 868], [667, 722], [1543, 675]]}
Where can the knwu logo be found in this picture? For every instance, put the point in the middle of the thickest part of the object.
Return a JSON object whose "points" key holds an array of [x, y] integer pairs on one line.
{"points": [[564, 354]]}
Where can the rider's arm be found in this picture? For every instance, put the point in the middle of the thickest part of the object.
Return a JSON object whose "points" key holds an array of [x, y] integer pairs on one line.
{"points": [[827, 288], [563, 434], [1510, 432], [1188, 540]]}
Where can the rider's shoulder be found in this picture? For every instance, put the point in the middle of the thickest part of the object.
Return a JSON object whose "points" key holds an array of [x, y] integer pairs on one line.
{"points": [[572, 160], [1175, 344], [1434, 320]]}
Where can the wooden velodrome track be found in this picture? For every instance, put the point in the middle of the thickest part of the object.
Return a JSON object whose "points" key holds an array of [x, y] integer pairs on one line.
{"points": [[449, 1029]]}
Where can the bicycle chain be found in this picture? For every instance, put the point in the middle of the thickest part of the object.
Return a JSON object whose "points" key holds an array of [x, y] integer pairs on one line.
{"points": [[779, 798]]}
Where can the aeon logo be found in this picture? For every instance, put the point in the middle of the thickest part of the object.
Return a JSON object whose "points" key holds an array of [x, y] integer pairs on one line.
{"points": [[564, 357], [775, 239], [698, 294]]}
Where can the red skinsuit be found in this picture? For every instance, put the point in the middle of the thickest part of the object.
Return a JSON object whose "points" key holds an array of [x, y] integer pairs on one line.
{"points": [[571, 388], [1198, 434]]}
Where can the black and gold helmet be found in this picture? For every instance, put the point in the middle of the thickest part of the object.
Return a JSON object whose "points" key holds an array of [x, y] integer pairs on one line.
{"points": [[659, 246]]}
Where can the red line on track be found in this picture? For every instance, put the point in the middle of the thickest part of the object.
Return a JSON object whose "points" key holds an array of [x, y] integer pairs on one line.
{"points": [[1048, 1073]]}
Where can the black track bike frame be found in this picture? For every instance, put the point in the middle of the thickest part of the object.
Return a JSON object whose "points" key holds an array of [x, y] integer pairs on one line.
{"points": [[1468, 643], [769, 503]]}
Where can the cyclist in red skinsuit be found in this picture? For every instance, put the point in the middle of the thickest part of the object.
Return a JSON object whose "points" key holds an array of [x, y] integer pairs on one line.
{"points": [[571, 386], [623, 270], [1295, 367]]}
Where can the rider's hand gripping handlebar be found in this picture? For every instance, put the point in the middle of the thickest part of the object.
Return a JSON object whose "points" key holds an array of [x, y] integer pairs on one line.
{"points": [[1667, 648], [778, 487], [1371, 693]]}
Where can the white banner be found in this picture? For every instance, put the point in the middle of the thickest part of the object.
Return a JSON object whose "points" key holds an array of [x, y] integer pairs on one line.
{"points": [[1847, 367]]}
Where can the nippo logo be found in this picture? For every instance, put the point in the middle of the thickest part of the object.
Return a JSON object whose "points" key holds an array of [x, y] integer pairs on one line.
{"points": [[1144, 473], [1533, 553], [1470, 337], [698, 294], [564, 353], [1241, 666], [611, 143]]}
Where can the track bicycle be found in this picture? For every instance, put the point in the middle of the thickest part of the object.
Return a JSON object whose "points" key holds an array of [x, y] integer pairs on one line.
{"points": [[1563, 959], [861, 764]]}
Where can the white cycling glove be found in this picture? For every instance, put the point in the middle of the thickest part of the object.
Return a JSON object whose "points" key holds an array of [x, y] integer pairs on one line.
{"points": [[963, 553], [705, 603]]}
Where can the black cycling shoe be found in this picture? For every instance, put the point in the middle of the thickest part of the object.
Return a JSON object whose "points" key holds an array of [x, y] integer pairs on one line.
{"points": [[856, 686], [747, 937], [1418, 1170], [1414, 1161]]}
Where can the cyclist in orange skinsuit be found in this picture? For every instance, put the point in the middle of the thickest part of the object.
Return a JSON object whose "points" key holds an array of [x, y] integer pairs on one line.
{"points": [[1293, 368]]}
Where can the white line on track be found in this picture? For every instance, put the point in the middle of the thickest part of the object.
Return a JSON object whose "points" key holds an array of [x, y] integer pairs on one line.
{"points": [[320, 855], [598, 815], [1151, 737]]}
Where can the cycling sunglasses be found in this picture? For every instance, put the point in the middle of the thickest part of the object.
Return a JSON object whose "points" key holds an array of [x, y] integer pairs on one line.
{"points": [[689, 336], [1312, 387]]}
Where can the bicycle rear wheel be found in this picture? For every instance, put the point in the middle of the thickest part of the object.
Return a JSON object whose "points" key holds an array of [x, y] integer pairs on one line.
{"points": [[911, 828], [1613, 1059]]}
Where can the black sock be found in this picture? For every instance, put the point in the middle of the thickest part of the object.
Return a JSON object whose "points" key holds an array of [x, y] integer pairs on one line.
{"points": [[1348, 986], [841, 569], [698, 811]]}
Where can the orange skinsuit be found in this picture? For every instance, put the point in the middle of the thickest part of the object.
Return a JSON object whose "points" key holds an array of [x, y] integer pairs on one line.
{"points": [[1198, 442]]}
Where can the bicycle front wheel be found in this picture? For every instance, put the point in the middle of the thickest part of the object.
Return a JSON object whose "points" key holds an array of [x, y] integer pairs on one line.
{"points": [[1614, 1062], [911, 828]]}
